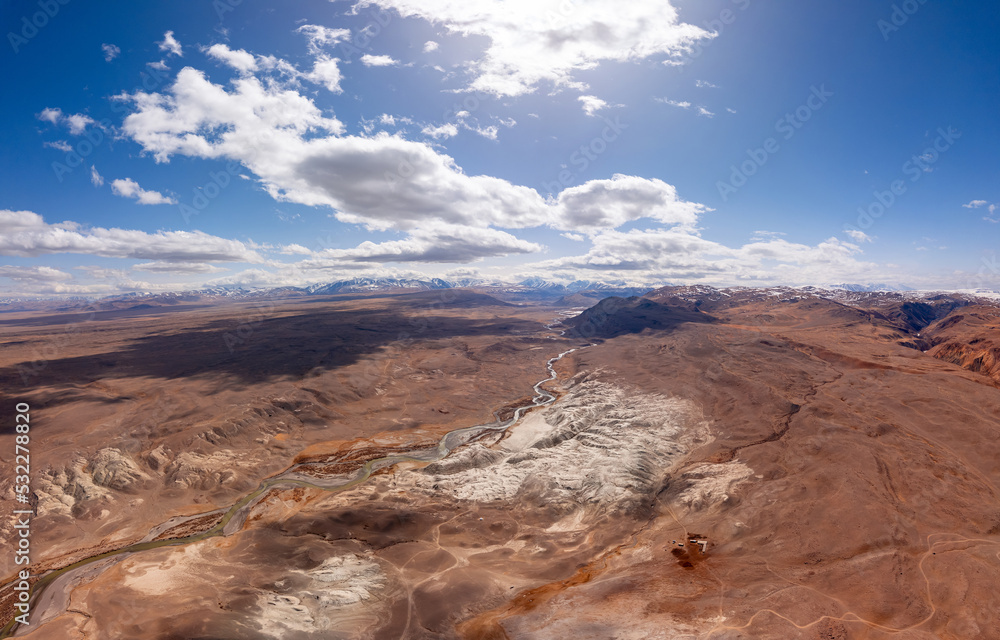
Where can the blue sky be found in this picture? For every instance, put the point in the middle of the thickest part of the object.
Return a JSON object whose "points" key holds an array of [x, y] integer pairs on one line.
{"points": [[164, 146]]}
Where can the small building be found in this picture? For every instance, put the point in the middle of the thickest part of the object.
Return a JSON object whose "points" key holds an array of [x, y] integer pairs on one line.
{"points": [[703, 543]]}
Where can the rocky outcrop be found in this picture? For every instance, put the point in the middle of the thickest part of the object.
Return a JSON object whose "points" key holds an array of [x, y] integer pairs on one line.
{"points": [[60, 490], [113, 469], [66, 490], [191, 470], [981, 358], [158, 458], [474, 456], [332, 596], [601, 445]]}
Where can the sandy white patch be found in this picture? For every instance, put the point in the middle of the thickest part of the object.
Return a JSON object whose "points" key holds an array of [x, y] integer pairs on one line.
{"points": [[347, 580], [335, 600], [599, 445], [281, 614], [527, 431], [711, 484], [183, 566]]}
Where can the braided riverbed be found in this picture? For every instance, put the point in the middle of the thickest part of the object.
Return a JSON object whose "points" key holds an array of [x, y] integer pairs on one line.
{"points": [[235, 515]]}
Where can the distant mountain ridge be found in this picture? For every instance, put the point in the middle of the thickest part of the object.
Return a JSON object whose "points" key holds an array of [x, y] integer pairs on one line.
{"points": [[881, 286], [530, 289], [388, 285], [364, 285], [580, 293]]}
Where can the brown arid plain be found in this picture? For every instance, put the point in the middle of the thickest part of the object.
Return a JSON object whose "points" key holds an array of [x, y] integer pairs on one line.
{"points": [[707, 464]]}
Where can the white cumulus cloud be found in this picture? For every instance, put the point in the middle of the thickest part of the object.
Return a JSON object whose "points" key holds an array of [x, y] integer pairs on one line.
{"points": [[77, 123], [387, 182], [858, 236], [447, 130], [380, 181], [34, 274], [178, 267], [439, 243], [129, 188], [170, 44], [238, 59], [592, 104], [378, 61], [319, 37], [681, 254], [326, 71], [535, 41], [110, 51], [675, 103], [992, 215], [26, 234]]}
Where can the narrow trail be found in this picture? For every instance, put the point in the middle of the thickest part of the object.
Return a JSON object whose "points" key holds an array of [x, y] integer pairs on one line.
{"points": [[850, 616], [486, 625], [847, 616], [237, 513]]}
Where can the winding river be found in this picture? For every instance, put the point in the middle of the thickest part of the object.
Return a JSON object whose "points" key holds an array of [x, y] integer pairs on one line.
{"points": [[237, 513]]}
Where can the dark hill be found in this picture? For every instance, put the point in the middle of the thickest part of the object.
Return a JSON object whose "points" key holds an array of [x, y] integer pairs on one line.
{"points": [[617, 316], [450, 298]]}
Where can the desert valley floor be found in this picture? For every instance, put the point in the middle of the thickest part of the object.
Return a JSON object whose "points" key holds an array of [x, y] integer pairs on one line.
{"points": [[690, 464]]}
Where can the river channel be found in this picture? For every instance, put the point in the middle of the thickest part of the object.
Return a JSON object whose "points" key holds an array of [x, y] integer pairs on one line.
{"points": [[236, 514]]}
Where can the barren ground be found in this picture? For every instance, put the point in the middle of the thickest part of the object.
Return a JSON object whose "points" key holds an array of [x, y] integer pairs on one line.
{"points": [[835, 462]]}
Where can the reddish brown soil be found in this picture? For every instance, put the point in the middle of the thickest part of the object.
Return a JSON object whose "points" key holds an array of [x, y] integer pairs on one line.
{"points": [[870, 509]]}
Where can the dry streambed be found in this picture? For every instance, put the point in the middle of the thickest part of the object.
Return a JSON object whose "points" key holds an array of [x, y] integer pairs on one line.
{"points": [[420, 547]]}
